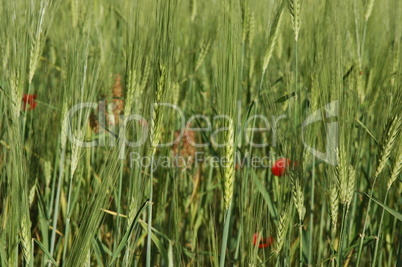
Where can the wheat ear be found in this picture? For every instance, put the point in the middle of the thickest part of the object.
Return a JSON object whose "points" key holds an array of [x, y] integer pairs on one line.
{"points": [[295, 8], [229, 170], [282, 231], [131, 89], [388, 143], [396, 170], [351, 185], [273, 37], [334, 205], [369, 10], [346, 175], [298, 197], [154, 127], [203, 53], [26, 239], [38, 43]]}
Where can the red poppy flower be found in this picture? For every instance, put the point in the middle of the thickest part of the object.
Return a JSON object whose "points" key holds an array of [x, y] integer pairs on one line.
{"points": [[264, 242], [280, 166], [28, 99]]}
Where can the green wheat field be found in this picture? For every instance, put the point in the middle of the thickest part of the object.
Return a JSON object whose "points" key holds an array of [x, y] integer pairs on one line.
{"points": [[200, 133]]}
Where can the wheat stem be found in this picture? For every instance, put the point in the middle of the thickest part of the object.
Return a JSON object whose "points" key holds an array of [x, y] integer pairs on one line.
{"points": [[387, 145]]}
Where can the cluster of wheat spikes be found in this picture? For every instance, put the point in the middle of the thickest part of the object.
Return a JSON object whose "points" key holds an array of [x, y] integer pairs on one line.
{"points": [[307, 82]]}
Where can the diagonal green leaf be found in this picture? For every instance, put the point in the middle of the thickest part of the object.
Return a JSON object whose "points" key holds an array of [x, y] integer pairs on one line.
{"points": [[390, 210], [157, 241], [45, 251], [265, 195], [126, 235], [285, 97]]}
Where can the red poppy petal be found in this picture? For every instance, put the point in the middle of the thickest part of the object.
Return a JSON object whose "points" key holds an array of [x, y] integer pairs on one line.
{"points": [[255, 238], [32, 105], [264, 242], [28, 98], [280, 166], [270, 240]]}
